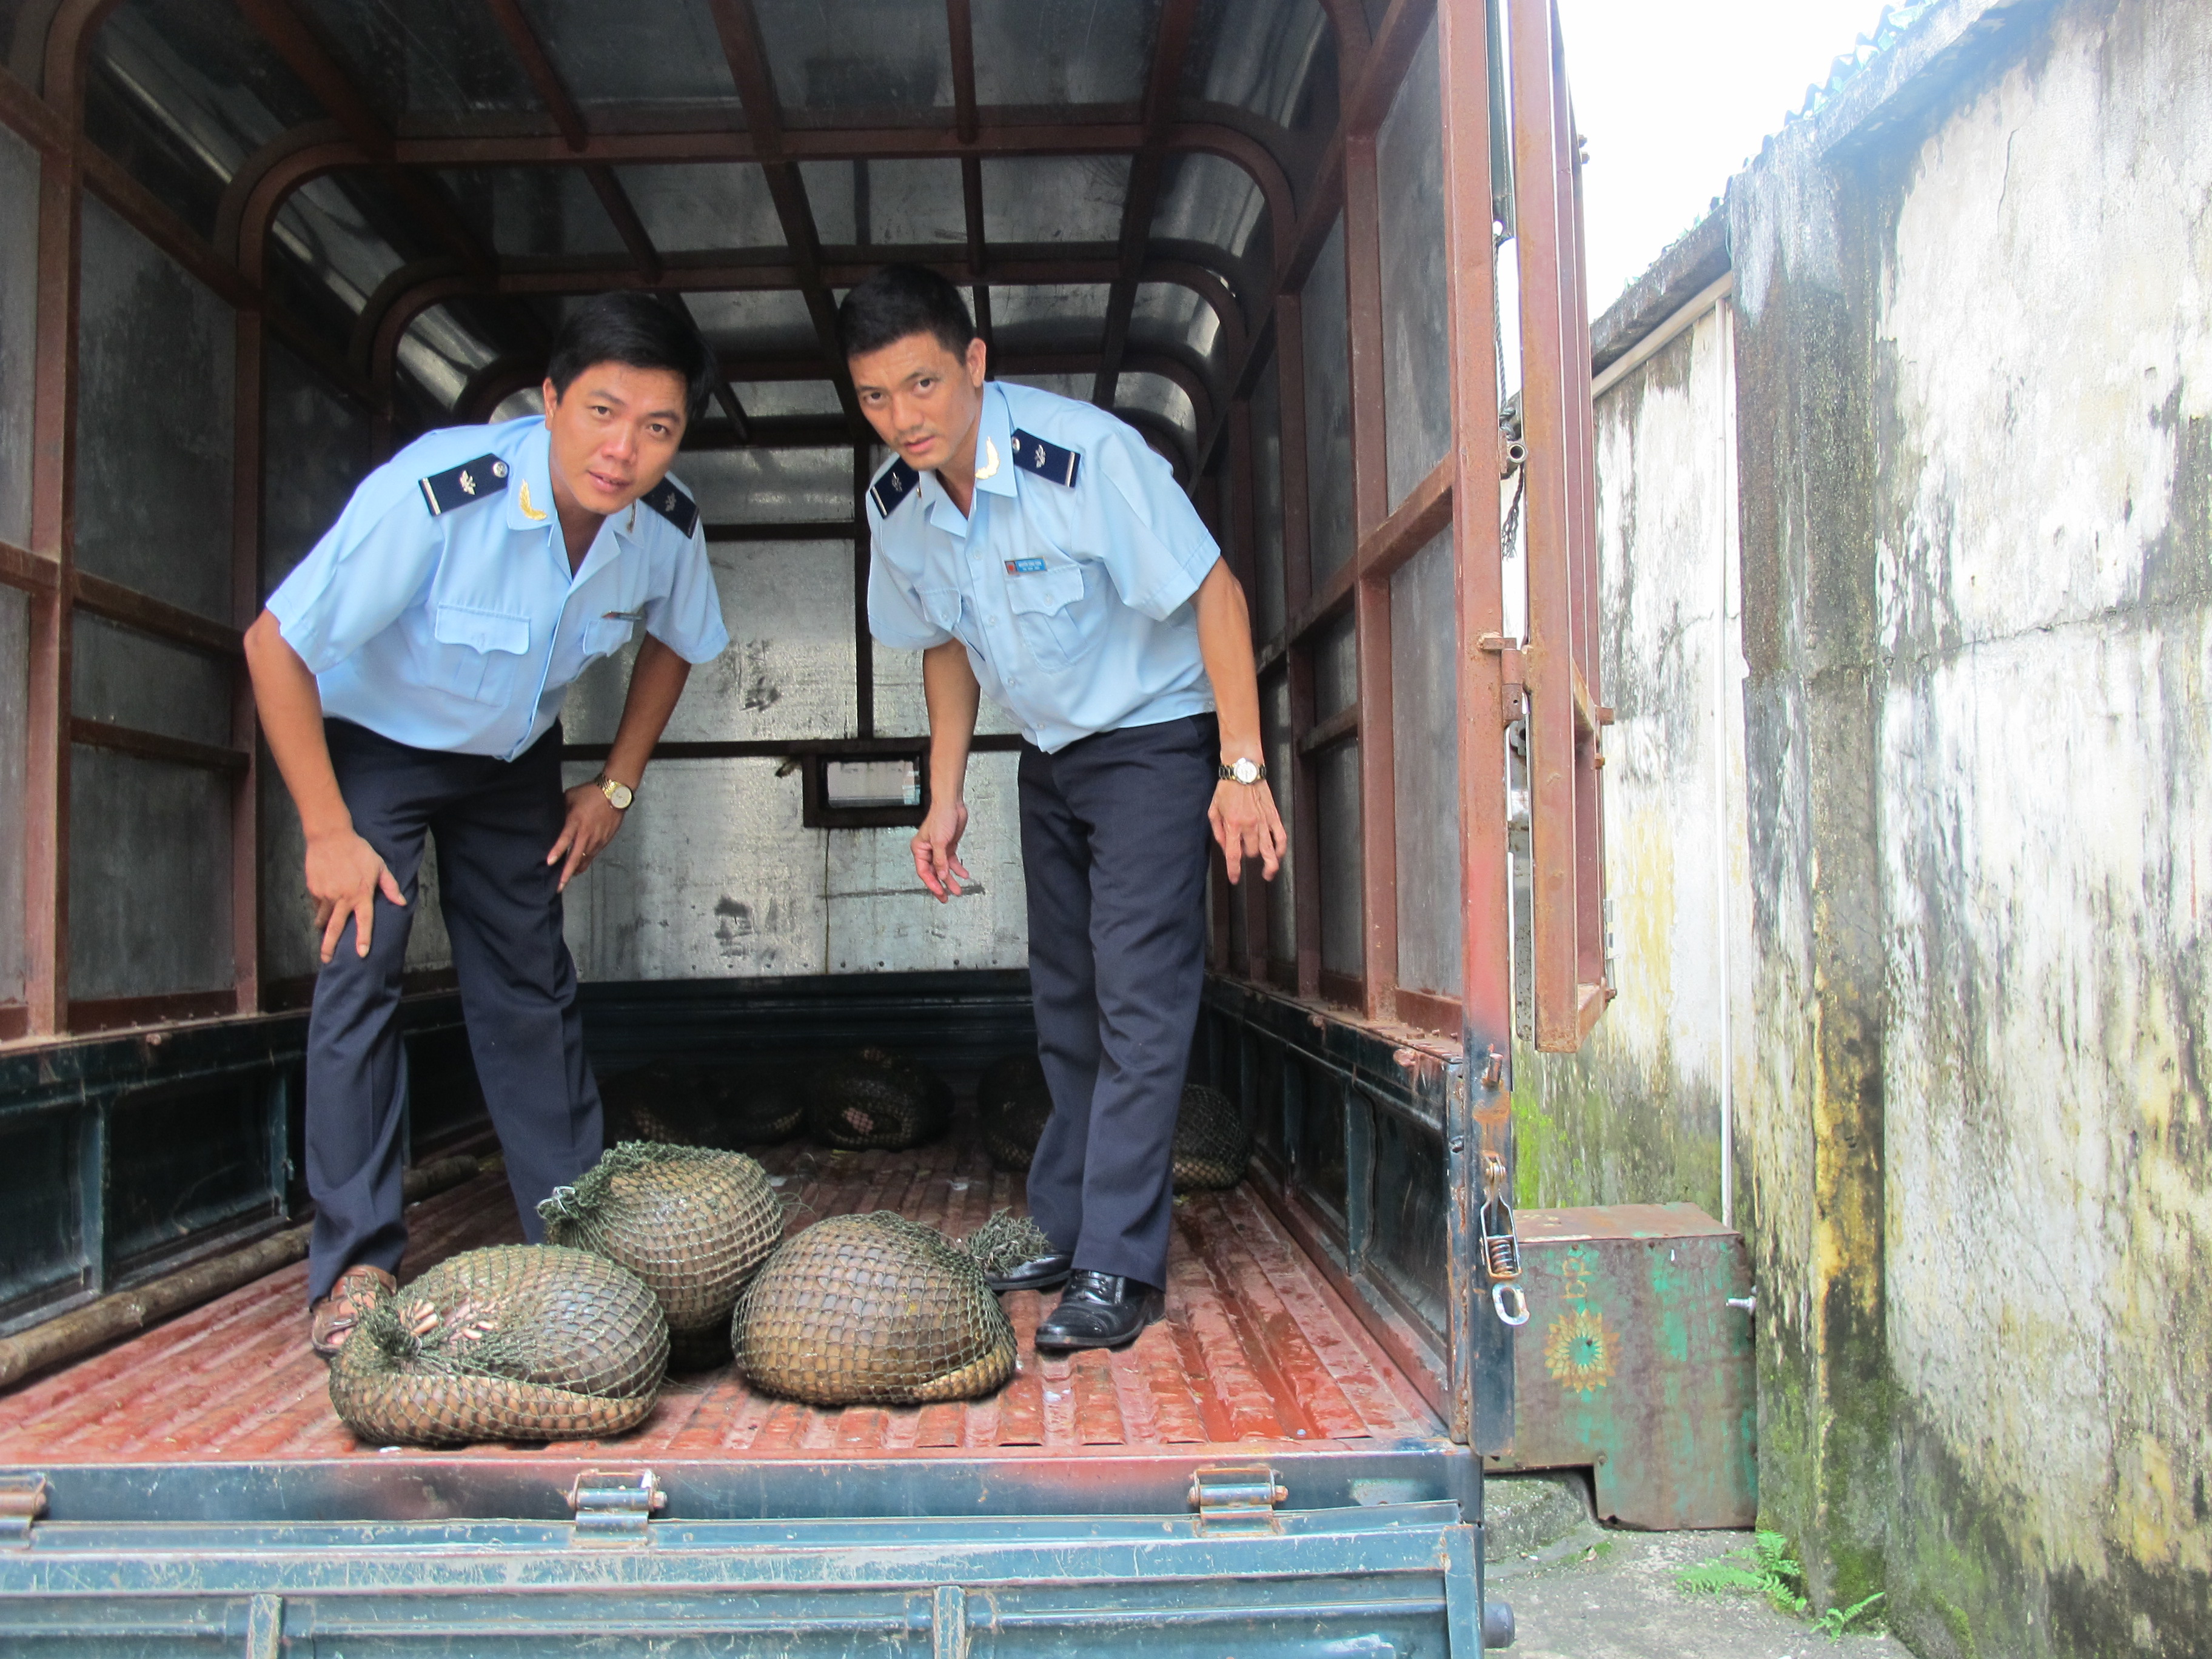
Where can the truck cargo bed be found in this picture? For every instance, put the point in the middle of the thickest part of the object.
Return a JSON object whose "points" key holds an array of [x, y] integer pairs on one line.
{"points": [[1257, 1350]]}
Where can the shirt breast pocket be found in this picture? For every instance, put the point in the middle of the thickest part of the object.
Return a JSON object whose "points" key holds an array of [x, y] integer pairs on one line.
{"points": [[478, 653], [604, 635], [1056, 625]]}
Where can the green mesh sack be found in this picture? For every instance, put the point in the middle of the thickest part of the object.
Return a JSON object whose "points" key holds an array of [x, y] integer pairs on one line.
{"points": [[1011, 1106], [872, 1309], [1212, 1146], [518, 1342], [1005, 1240], [692, 1222], [727, 1104], [876, 1099]]}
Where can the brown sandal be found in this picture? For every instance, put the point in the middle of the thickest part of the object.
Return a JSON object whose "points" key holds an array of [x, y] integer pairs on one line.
{"points": [[331, 1317]]}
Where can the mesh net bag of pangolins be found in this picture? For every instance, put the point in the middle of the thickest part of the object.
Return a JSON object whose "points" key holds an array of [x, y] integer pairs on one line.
{"points": [[517, 1342], [1005, 1242], [872, 1309], [1011, 1105], [1212, 1146], [727, 1104], [876, 1099], [692, 1222]]}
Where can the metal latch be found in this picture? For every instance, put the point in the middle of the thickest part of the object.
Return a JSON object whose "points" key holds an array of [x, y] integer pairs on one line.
{"points": [[23, 1501], [1240, 1498], [613, 1506]]}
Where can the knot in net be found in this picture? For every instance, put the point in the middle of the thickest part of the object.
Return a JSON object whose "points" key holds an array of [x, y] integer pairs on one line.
{"points": [[518, 1342], [1005, 1240], [876, 1099], [724, 1105], [692, 1222], [1011, 1105], [1212, 1145], [873, 1309]]}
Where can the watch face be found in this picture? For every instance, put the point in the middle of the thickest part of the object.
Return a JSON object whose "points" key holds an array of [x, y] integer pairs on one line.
{"points": [[619, 795], [1247, 771]]}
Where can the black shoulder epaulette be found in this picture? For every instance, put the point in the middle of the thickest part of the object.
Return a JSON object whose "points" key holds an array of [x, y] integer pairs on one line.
{"points": [[1034, 455], [472, 481], [890, 492], [666, 499]]}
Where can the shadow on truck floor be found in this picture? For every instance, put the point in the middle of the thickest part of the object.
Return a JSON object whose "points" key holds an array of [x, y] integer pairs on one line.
{"points": [[1256, 1350]]}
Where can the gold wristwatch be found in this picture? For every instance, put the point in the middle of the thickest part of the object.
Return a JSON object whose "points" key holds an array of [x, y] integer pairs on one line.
{"points": [[1245, 770], [619, 795]]}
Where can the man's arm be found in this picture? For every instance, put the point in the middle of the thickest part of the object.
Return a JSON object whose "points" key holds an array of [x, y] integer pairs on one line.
{"points": [[950, 688], [1243, 816], [344, 873], [655, 684]]}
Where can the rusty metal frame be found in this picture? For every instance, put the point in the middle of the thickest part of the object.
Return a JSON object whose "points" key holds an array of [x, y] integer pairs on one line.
{"points": [[1565, 714]]}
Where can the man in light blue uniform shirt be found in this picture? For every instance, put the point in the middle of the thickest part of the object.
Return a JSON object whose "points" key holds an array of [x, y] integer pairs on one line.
{"points": [[409, 674], [1034, 550]]}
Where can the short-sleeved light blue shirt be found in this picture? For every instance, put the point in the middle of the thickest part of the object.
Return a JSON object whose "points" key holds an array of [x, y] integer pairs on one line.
{"points": [[460, 629], [1073, 600]]}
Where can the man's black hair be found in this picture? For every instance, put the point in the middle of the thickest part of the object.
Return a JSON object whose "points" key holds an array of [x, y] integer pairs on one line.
{"points": [[899, 301], [635, 329]]}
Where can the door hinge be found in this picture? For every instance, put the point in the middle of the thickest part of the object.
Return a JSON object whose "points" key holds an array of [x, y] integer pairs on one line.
{"points": [[23, 1501], [612, 1506], [1239, 1498]]}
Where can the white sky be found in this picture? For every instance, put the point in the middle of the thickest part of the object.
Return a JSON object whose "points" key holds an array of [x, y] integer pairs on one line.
{"points": [[1673, 99]]}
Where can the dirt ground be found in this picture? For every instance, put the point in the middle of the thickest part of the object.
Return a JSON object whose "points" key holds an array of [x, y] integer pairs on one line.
{"points": [[1601, 1595]]}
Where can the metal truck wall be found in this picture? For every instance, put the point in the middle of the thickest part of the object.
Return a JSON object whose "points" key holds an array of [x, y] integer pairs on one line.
{"points": [[19, 316]]}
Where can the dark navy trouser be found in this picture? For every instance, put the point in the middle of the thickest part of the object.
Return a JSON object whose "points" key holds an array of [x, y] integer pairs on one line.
{"points": [[495, 821], [1114, 855]]}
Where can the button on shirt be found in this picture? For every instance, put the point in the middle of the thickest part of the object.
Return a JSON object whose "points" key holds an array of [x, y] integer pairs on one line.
{"points": [[1074, 601], [461, 630]]}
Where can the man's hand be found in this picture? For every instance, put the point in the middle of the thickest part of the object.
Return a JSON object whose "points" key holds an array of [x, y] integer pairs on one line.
{"points": [[937, 849], [345, 875], [591, 824], [1246, 825]]}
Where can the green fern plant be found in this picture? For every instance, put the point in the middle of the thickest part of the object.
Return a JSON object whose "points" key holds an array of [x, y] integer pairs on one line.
{"points": [[1764, 1567], [1837, 1622]]}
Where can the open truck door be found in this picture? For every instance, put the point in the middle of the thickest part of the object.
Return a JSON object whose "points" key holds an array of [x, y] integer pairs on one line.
{"points": [[322, 232]]}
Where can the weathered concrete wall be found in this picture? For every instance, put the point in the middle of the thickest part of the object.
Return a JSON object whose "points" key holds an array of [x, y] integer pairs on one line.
{"points": [[1974, 379], [1636, 1117]]}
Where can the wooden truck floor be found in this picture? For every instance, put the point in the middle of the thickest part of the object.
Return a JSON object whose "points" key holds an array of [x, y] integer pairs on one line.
{"points": [[1257, 1350]]}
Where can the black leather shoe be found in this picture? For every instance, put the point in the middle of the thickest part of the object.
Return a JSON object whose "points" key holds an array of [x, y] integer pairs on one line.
{"points": [[1039, 1273], [1100, 1311]]}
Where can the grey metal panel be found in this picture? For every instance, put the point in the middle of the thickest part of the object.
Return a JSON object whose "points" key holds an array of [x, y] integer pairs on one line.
{"points": [[1329, 409], [1336, 667], [533, 210], [1267, 499], [1071, 51], [42, 1232], [712, 876], [882, 920], [15, 685], [156, 360], [290, 944], [1416, 343], [883, 203], [1160, 396], [326, 229], [119, 675], [1050, 317], [19, 326], [716, 205], [1167, 313], [769, 486], [754, 322], [528, 401], [829, 56], [901, 710], [1208, 199], [773, 398], [1275, 733], [1336, 798], [663, 51], [315, 449], [1054, 198], [409, 58], [1257, 56], [149, 876], [788, 672], [1424, 724], [442, 352]]}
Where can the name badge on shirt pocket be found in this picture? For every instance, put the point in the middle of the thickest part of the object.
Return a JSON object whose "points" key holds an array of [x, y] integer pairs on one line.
{"points": [[1025, 566], [479, 650]]}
